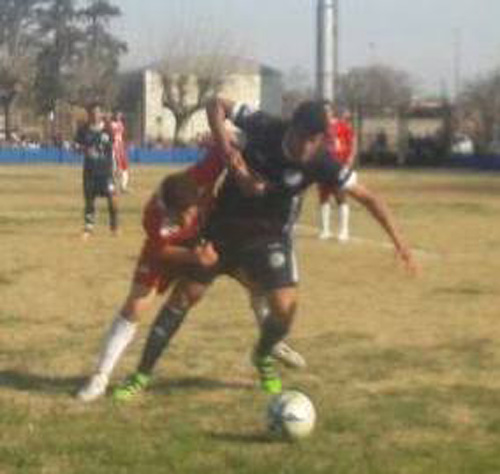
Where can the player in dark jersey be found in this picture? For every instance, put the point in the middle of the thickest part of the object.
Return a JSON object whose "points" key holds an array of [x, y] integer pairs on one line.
{"points": [[95, 141], [252, 233], [171, 221]]}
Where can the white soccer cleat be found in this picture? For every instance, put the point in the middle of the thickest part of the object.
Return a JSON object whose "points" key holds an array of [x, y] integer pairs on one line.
{"points": [[94, 388], [286, 355], [325, 235], [343, 237]]}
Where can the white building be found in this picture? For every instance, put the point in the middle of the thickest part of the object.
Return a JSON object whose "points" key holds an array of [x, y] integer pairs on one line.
{"points": [[249, 82]]}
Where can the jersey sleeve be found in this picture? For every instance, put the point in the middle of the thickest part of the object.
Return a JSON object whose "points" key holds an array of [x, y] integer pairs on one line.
{"points": [[254, 123], [205, 172], [331, 172]]}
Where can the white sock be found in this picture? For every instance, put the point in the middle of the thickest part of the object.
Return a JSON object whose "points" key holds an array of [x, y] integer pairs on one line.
{"points": [[124, 180], [119, 336], [260, 308], [325, 212], [343, 220]]}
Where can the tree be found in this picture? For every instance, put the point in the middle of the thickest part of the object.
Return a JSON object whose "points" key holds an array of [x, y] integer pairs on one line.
{"points": [[61, 36], [195, 68], [297, 88], [94, 78], [479, 105], [18, 24], [18, 43], [189, 82], [375, 89]]}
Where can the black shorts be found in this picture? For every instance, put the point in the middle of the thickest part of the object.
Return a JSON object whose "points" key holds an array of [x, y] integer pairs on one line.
{"points": [[269, 263], [98, 184]]}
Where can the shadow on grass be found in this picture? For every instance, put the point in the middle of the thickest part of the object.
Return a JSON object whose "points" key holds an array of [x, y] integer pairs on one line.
{"points": [[26, 382], [198, 383], [244, 438]]}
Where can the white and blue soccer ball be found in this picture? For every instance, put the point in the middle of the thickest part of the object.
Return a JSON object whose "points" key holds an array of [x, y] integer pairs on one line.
{"points": [[291, 415]]}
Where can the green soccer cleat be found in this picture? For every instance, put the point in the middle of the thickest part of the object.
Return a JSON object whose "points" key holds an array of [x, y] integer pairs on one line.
{"points": [[270, 380], [132, 387]]}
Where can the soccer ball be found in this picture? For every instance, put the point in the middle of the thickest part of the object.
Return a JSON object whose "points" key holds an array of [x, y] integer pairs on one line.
{"points": [[291, 415]]}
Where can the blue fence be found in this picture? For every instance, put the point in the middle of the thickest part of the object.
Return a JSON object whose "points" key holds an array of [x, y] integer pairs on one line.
{"points": [[179, 156], [60, 156], [475, 162]]}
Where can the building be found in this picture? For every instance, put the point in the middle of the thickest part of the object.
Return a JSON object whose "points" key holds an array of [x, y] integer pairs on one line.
{"points": [[396, 137], [149, 121]]}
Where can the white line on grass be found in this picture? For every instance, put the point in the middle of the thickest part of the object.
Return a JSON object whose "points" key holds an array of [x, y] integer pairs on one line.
{"points": [[311, 230]]}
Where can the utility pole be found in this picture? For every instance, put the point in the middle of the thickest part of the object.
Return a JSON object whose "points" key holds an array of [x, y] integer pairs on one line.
{"points": [[457, 62], [327, 50]]}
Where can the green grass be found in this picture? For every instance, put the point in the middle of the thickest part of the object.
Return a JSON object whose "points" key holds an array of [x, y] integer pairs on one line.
{"points": [[404, 372]]}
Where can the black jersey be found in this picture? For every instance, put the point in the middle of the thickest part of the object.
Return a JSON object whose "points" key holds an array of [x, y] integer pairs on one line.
{"points": [[275, 212], [97, 145]]}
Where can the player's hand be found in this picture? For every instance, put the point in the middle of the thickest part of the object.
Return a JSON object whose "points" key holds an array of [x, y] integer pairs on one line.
{"points": [[206, 255], [249, 183], [406, 256]]}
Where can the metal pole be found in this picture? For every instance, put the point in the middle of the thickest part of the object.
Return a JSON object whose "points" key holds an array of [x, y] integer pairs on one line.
{"points": [[336, 52], [457, 62], [325, 50]]}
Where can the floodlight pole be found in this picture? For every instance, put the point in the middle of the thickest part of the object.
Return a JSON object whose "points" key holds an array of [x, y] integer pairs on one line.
{"points": [[327, 50]]}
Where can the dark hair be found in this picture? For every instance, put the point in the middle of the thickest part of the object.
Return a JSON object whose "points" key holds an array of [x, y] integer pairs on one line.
{"points": [[93, 105], [178, 192], [310, 118]]}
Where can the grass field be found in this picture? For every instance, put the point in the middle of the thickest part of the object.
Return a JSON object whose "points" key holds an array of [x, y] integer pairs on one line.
{"points": [[405, 372]]}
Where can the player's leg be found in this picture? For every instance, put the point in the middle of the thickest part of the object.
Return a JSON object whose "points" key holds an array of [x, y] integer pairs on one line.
{"points": [[124, 180], [150, 276], [118, 338], [343, 217], [282, 305], [281, 351], [124, 170], [89, 196], [112, 199], [169, 319], [324, 193], [272, 268]]}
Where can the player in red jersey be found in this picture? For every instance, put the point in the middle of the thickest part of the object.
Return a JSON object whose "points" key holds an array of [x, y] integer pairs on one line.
{"points": [[171, 220], [342, 146], [117, 127]]}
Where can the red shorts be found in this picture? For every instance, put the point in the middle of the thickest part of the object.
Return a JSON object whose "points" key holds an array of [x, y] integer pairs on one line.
{"points": [[325, 192]]}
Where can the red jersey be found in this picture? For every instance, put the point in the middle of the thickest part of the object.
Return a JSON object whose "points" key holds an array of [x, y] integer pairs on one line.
{"points": [[340, 140], [119, 149], [206, 172], [151, 270], [159, 230]]}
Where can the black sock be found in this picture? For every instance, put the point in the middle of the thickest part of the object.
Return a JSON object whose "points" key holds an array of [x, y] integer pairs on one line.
{"points": [[164, 328], [273, 330]]}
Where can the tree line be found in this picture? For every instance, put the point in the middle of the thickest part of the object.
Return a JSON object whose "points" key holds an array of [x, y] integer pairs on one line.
{"points": [[57, 51]]}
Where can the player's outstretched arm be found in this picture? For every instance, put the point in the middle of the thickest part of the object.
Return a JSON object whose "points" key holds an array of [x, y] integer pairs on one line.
{"points": [[379, 210], [218, 111]]}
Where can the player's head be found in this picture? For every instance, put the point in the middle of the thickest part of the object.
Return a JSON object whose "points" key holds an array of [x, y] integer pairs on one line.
{"points": [[180, 197], [307, 130], [329, 109], [95, 112], [117, 115]]}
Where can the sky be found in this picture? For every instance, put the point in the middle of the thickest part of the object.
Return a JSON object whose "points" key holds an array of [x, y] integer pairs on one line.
{"points": [[427, 38]]}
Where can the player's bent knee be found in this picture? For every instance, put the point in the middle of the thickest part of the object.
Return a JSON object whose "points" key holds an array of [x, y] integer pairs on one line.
{"points": [[186, 295]]}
